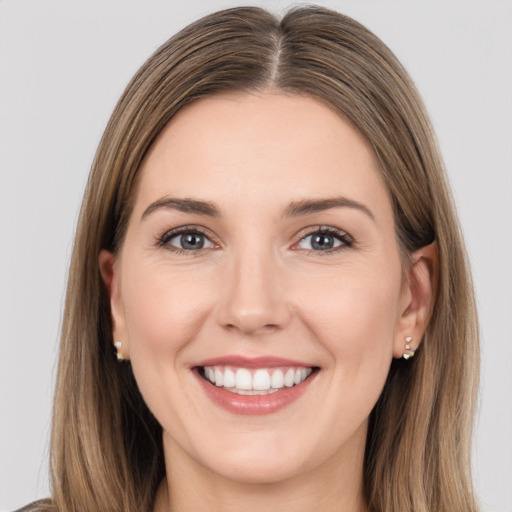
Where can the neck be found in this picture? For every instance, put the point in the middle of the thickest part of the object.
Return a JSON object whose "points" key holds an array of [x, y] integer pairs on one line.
{"points": [[190, 487]]}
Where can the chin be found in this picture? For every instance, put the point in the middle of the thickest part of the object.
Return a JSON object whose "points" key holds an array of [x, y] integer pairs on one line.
{"points": [[258, 470], [262, 458]]}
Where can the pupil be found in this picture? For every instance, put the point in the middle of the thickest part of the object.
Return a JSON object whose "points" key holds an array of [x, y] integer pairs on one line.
{"points": [[192, 241], [322, 242]]}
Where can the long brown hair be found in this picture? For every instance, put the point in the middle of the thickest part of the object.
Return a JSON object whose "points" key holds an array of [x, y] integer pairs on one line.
{"points": [[106, 447]]}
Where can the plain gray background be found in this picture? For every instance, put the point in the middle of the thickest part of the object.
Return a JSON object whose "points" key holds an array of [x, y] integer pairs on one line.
{"points": [[63, 64]]}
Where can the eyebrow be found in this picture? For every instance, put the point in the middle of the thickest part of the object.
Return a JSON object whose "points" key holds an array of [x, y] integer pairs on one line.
{"points": [[309, 206], [183, 205], [295, 209]]}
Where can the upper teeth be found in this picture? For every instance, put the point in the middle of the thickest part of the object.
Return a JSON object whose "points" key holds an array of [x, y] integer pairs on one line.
{"points": [[240, 380]]}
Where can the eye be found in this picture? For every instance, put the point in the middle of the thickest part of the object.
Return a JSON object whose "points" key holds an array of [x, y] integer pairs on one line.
{"points": [[186, 239], [325, 239]]}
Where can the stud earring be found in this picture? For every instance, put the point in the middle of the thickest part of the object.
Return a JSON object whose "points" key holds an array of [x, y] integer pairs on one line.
{"points": [[409, 351], [118, 345]]}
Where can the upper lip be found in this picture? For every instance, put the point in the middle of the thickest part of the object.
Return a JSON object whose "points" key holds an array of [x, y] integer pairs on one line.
{"points": [[251, 362]]}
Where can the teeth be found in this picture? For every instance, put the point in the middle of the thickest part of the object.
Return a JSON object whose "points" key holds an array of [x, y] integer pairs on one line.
{"points": [[261, 381], [252, 391], [288, 378], [277, 381], [243, 379], [219, 377], [229, 378]]}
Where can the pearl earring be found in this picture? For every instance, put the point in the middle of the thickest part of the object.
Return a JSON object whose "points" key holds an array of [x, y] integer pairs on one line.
{"points": [[409, 351], [118, 345]]}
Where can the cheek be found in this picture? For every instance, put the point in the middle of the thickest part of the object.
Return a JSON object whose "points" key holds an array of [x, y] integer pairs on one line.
{"points": [[354, 312], [164, 308], [353, 315]]}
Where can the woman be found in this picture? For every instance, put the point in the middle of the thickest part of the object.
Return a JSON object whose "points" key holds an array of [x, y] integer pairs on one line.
{"points": [[268, 295]]}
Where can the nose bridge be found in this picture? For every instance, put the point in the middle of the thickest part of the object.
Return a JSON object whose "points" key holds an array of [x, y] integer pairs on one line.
{"points": [[254, 300]]}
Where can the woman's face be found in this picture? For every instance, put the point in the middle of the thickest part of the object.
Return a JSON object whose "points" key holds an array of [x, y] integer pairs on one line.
{"points": [[258, 292]]}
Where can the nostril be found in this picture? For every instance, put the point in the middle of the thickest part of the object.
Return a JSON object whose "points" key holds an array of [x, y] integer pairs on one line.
{"points": [[252, 329]]}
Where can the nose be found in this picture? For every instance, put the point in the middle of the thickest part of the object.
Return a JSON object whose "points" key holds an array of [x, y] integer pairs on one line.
{"points": [[254, 296]]}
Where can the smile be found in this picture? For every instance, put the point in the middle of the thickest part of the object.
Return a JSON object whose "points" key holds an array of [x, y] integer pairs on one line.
{"points": [[257, 386], [261, 381]]}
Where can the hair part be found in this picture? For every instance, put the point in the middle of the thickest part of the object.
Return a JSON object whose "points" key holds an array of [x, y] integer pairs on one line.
{"points": [[106, 447]]}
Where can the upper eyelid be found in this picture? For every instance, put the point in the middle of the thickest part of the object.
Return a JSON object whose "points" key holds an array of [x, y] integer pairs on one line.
{"points": [[311, 230], [184, 229]]}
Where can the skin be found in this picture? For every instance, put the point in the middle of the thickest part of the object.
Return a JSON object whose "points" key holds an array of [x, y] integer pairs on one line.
{"points": [[258, 288]]}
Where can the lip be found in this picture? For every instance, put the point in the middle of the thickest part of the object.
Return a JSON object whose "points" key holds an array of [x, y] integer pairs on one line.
{"points": [[251, 362], [253, 404]]}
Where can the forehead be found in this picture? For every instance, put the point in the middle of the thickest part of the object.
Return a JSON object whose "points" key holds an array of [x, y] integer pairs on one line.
{"points": [[264, 147]]}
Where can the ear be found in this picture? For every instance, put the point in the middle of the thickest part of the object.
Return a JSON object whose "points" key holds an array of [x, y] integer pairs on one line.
{"points": [[418, 295], [110, 272]]}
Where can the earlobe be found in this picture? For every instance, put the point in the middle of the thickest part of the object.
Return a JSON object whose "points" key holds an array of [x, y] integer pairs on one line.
{"points": [[110, 275], [421, 293]]}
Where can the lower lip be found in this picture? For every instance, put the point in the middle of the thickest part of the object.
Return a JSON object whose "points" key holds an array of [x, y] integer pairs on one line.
{"points": [[254, 404]]}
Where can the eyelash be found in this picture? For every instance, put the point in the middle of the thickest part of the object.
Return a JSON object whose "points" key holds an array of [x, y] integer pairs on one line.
{"points": [[346, 240], [163, 241], [343, 237]]}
